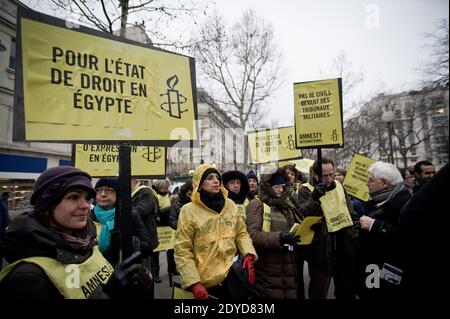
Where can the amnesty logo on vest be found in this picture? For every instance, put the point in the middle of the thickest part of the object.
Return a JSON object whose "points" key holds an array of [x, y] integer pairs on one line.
{"points": [[73, 281], [273, 145], [318, 114], [79, 84]]}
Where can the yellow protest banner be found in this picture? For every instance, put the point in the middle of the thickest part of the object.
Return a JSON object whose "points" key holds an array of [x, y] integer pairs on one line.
{"points": [[355, 182], [318, 114], [166, 236], [302, 165], [101, 160], [81, 85], [273, 145]]}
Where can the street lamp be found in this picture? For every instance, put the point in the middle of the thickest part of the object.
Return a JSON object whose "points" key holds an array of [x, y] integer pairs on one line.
{"points": [[388, 117]]}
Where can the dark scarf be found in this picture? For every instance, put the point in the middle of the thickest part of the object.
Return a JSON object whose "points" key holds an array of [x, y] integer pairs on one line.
{"points": [[283, 203], [251, 195], [183, 198], [213, 201], [237, 198], [78, 244], [384, 195], [158, 192], [268, 197]]}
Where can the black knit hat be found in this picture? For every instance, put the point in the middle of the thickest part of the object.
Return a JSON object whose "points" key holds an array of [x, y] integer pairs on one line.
{"points": [[277, 179], [207, 172], [111, 182], [52, 185], [232, 175], [252, 174]]}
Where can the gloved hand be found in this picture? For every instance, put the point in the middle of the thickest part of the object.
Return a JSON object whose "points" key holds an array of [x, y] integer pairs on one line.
{"points": [[318, 191], [199, 291], [247, 263], [130, 281], [289, 238]]}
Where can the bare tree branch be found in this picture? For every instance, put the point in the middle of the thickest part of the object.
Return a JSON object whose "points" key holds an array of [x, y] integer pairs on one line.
{"points": [[242, 60], [436, 70]]}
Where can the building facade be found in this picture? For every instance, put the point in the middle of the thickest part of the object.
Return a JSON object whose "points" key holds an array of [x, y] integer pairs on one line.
{"points": [[404, 128], [20, 162], [221, 142]]}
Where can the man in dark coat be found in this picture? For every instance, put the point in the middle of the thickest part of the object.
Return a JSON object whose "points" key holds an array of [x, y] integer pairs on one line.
{"points": [[334, 248], [424, 172], [423, 239], [379, 237], [144, 202]]}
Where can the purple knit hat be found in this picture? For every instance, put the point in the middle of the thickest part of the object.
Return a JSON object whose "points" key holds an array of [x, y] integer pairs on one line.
{"points": [[53, 184]]}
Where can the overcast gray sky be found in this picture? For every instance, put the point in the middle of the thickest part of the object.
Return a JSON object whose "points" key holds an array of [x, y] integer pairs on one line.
{"points": [[383, 38], [312, 33]]}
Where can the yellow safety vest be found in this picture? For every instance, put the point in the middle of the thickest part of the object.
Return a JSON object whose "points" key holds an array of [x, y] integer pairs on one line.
{"points": [[242, 208], [73, 281], [141, 187], [267, 219], [334, 207], [163, 200]]}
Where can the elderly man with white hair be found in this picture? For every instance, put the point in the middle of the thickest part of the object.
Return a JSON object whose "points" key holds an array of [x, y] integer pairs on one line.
{"points": [[379, 231]]}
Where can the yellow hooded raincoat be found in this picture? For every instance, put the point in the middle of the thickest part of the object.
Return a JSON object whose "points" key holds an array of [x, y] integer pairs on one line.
{"points": [[205, 241]]}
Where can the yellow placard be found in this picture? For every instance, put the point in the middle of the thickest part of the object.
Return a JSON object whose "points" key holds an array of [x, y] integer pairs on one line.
{"points": [[101, 160], [273, 145], [79, 85], [166, 237], [180, 293], [302, 165], [304, 229], [355, 182], [318, 114]]}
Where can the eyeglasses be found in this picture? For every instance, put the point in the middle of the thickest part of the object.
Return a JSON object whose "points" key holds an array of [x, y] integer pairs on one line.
{"points": [[373, 180], [107, 190]]}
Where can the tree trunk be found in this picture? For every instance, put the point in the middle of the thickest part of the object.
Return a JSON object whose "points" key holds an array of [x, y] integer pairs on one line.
{"points": [[123, 18]]}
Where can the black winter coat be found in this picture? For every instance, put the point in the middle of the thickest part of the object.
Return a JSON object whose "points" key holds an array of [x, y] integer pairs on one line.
{"points": [[380, 244], [145, 204], [424, 238], [27, 237], [178, 202]]}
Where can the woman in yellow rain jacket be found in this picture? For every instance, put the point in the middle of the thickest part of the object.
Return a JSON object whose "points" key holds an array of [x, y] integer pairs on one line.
{"points": [[210, 233]]}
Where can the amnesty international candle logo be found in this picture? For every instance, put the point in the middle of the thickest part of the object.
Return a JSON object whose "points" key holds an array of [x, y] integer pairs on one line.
{"points": [[174, 99], [152, 154], [291, 142], [334, 136]]}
